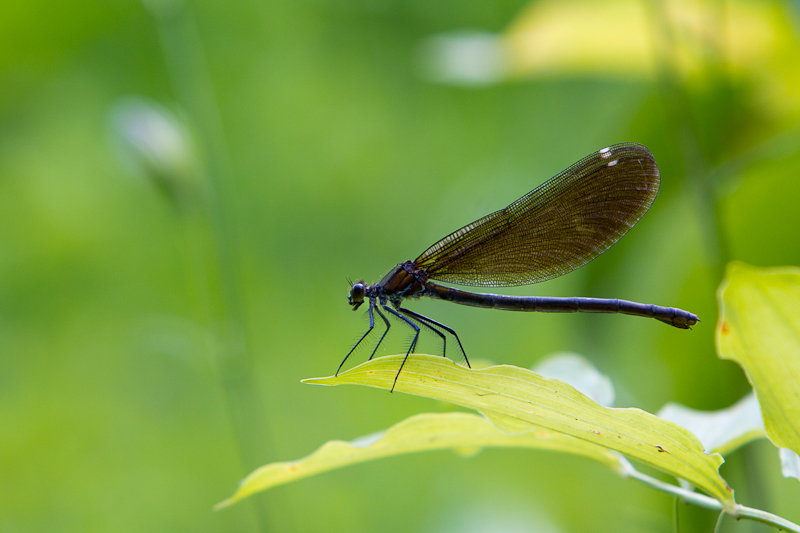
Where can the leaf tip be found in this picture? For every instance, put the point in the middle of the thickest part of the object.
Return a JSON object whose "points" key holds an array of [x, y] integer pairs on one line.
{"points": [[223, 504], [326, 382]]}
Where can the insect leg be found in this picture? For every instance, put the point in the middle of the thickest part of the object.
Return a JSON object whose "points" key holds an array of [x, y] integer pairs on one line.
{"points": [[388, 325], [424, 322], [364, 336], [413, 343], [449, 330]]}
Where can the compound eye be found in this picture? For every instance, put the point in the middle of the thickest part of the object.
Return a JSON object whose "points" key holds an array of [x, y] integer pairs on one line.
{"points": [[357, 293]]}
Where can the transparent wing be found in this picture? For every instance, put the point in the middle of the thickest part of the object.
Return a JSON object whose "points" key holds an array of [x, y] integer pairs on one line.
{"points": [[554, 229]]}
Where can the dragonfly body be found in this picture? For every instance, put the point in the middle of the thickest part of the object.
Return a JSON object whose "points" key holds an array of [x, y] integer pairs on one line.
{"points": [[558, 227]]}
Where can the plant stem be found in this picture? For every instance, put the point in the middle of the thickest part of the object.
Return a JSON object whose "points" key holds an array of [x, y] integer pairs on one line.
{"points": [[215, 260], [707, 502]]}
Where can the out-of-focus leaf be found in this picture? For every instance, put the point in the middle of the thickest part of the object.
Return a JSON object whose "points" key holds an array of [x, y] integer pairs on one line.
{"points": [[465, 433], [620, 38], [616, 36], [720, 431], [759, 328], [522, 395], [790, 463], [579, 372], [606, 37]]}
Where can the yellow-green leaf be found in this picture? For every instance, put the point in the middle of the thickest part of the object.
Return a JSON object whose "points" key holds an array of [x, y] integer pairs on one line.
{"points": [[465, 433], [506, 393], [759, 328]]}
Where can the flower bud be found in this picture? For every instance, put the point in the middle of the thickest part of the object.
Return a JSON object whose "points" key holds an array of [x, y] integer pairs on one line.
{"points": [[155, 144]]}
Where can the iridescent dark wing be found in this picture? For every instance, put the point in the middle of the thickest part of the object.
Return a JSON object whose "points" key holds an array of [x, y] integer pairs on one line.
{"points": [[554, 229]]}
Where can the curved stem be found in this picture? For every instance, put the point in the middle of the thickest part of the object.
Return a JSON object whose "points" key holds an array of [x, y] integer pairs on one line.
{"points": [[766, 518], [707, 502]]}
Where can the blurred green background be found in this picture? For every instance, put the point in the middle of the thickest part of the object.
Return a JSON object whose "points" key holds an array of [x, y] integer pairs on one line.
{"points": [[155, 321]]}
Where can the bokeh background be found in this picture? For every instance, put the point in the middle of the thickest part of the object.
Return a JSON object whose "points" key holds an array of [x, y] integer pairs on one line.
{"points": [[186, 187]]}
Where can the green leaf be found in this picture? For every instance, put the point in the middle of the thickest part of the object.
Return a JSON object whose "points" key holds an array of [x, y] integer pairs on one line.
{"points": [[465, 433], [507, 393], [759, 328]]}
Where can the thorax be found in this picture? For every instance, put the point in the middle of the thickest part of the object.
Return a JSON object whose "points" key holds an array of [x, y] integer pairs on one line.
{"points": [[405, 280]]}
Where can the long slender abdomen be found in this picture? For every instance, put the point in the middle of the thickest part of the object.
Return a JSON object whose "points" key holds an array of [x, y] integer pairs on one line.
{"points": [[669, 315]]}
